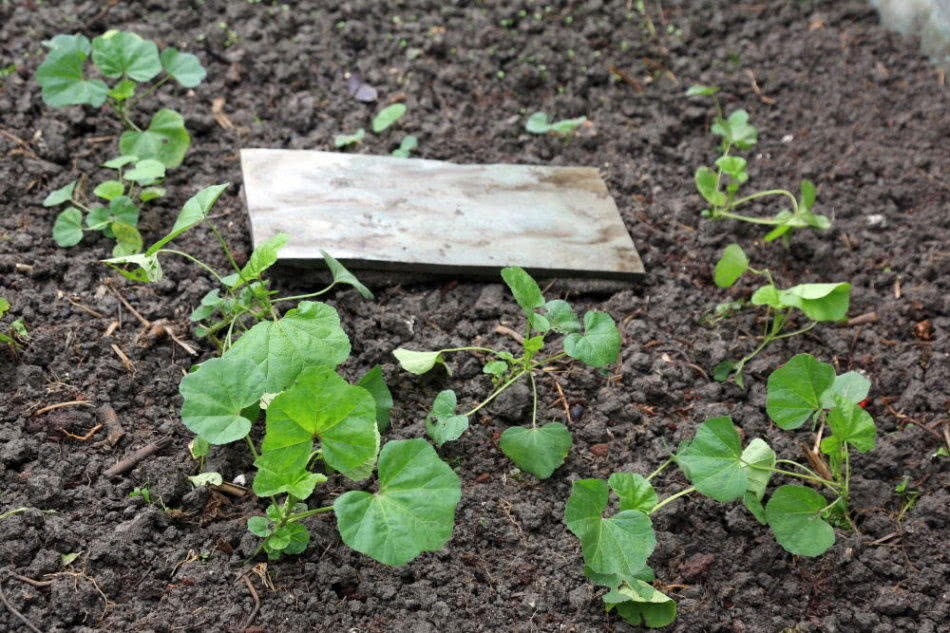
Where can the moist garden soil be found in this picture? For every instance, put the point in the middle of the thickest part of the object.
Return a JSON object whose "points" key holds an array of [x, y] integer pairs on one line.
{"points": [[837, 99]]}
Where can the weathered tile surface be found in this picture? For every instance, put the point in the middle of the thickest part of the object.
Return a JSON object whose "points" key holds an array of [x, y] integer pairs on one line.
{"points": [[386, 213]]}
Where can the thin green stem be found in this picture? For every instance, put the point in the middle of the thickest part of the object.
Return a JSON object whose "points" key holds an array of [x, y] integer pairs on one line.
{"points": [[250, 445], [227, 251], [496, 393], [673, 497], [745, 218], [305, 296], [796, 332], [309, 513], [197, 261], [763, 194], [550, 359], [534, 408], [659, 469], [155, 86], [788, 473], [797, 465]]}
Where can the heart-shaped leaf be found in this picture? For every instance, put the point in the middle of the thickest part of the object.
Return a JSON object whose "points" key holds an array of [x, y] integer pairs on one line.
{"points": [[184, 67], [285, 472], [417, 362], [165, 140], [794, 515], [819, 302], [539, 450], [62, 80], [794, 390], [635, 492], [707, 184], [413, 512], [215, 394], [442, 423], [599, 346], [730, 266], [118, 53], [618, 545], [713, 460], [852, 386], [561, 316], [67, 230], [342, 416]]}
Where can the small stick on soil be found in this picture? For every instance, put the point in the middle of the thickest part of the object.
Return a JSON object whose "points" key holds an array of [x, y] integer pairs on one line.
{"points": [[507, 331], [19, 616], [82, 438], [23, 268], [111, 329], [128, 306], [255, 597], [909, 420], [884, 538], [863, 319], [563, 400], [758, 92], [30, 581], [230, 489], [85, 308], [128, 463], [60, 405], [122, 357], [627, 79], [114, 431]]}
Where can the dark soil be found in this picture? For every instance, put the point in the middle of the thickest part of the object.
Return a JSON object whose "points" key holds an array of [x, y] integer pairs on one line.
{"points": [[849, 105]]}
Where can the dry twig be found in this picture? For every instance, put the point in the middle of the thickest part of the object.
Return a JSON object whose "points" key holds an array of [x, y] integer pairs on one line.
{"points": [[60, 405], [12, 609], [128, 463]]}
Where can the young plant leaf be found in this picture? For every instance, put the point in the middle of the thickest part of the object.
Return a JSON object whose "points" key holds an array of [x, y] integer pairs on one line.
{"points": [[183, 67], [496, 368], [408, 144], [525, 289], [344, 140], [819, 302], [374, 382], [852, 386], [343, 276], [259, 526], [387, 116], [794, 515], [123, 91], [713, 460], [151, 193], [194, 211], [109, 189], [699, 90], [767, 295], [638, 603], [760, 459], [70, 43], [730, 266], [736, 130], [67, 230], [285, 472], [734, 167], [62, 80], [342, 416], [707, 184], [118, 53], [634, 491], [262, 258], [417, 362], [561, 316], [443, 424], [849, 424], [599, 346], [121, 209], [413, 512], [165, 140], [127, 237], [61, 195], [147, 268], [291, 538], [146, 172], [618, 545], [215, 394], [794, 390], [540, 450]]}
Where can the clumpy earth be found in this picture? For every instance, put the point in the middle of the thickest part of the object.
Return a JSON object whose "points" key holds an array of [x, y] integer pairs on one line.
{"points": [[837, 99]]}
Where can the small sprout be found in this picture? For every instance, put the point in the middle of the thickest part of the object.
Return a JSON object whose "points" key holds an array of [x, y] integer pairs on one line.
{"points": [[67, 559], [443, 424], [206, 479], [15, 332], [539, 123], [408, 144], [387, 116], [345, 140]]}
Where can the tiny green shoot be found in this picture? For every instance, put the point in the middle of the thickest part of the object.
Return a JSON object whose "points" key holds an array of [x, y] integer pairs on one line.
{"points": [[539, 123], [13, 334], [388, 116]]}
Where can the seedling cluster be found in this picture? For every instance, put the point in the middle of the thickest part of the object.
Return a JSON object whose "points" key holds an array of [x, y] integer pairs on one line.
{"points": [[539, 123], [135, 68], [537, 449], [383, 120], [14, 332], [720, 186], [718, 466]]}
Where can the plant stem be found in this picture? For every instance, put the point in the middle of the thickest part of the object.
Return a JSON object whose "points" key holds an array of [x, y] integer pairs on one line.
{"points": [[155, 86], [197, 261], [308, 513], [796, 332], [673, 497], [495, 393], [227, 251], [550, 359], [659, 469], [788, 473], [79, 204], [762, 194], [746, 218], [534, 408], [250, 445], [306, 296]]}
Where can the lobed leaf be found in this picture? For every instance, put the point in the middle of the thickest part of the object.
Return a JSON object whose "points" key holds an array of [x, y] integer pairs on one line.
{"points": [[794, 390], [443, 424], [794, 515], [635, 492], [852, 386], [165, 140], [736, 130], [599, 346], [849, 424], [62, 81], [183, 67], [214, 396], [731, 265], [118, 53], [561, 316], [713, 462], [819, 302], [285, 472], [413, 512], [537, 450]]}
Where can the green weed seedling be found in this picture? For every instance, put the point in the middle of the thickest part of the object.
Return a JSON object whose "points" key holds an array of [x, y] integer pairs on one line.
{"points": [[137, 69], [283, 368], [408, 143], [12, 334], [539, 123], [384, 119], [616, 548], [537, 449], [819, 302], [720, 186]]}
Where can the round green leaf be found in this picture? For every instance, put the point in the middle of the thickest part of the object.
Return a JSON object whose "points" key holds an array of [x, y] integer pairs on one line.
{"points": [[61, 195], [819, 302], [413, 512], [849, 424], [538, 450], [442, 423], [538, 123], [736, 130], [342, 416], [165, 140], [713, 460], [599, 346], [639, 603], [146, 172], [184, 67], [63, 83], [127, 237], [259, 526], [561, 316], [730, 266], [524, 288], [215, 393], [635, 492], [109, 189], [619, 545], [707, 184], [306, 336], [67, 230], [417, 362], [118, 53], [387, 116], [285, 472], [794, 515], [794, 390], [852, 386]]}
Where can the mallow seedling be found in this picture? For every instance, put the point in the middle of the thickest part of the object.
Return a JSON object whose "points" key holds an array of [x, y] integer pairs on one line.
{"points": [[539, 123], [818, 302], [536, 448], [717, 464], [719, 186], [12, 334]]}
